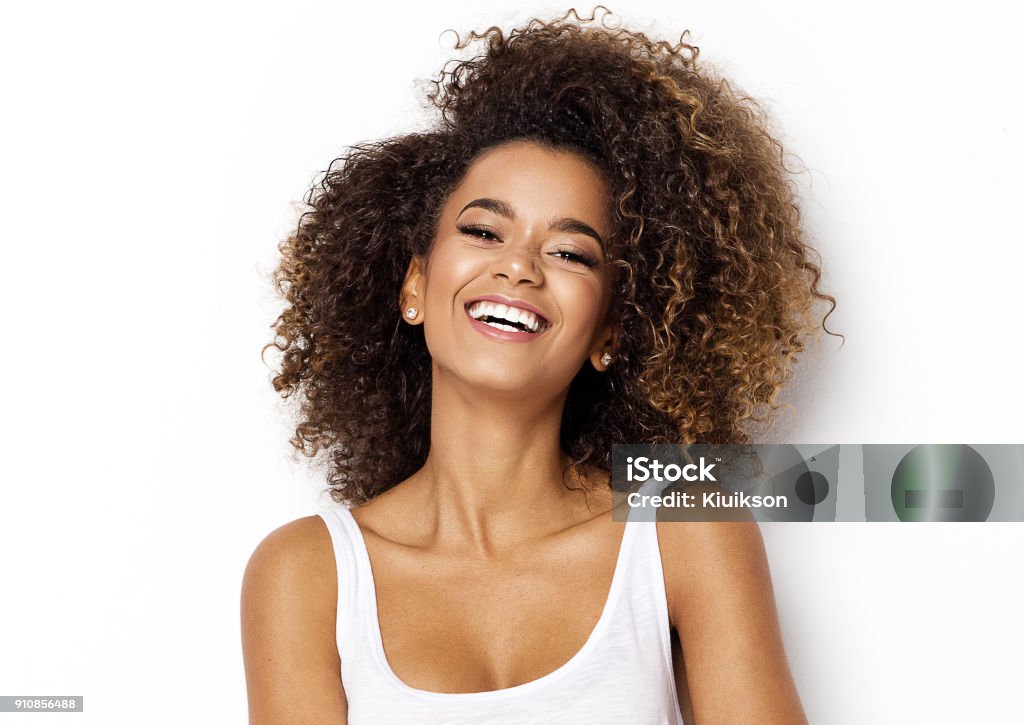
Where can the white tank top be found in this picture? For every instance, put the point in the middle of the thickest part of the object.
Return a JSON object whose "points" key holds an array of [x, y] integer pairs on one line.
{"points": [[622, 674]]}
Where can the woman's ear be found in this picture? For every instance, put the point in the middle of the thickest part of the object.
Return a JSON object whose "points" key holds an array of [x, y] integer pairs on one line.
{"points": [[602, 356], [411, 301]]}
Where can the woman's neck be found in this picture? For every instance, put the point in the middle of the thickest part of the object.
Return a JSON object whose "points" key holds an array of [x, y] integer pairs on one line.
{"points": [[494, 473]]}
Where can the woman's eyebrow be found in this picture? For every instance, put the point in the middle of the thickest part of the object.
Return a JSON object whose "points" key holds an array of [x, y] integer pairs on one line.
{"points": [[568, 225], [575, 226], [501, 208]]}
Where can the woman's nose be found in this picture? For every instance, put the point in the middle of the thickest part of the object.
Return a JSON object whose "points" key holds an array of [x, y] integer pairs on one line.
{"points": [[517, 263]]}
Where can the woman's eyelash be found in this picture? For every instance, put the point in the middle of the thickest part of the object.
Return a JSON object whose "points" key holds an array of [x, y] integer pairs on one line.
{"points": [[476, 231], [575, 257]]}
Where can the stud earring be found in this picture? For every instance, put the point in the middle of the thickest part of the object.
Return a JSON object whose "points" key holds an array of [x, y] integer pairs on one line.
{"points": [[606, 359], [411, 313]]}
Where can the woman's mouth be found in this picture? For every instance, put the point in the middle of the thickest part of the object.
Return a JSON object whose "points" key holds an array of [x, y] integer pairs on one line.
{"points": [[504, 321]]}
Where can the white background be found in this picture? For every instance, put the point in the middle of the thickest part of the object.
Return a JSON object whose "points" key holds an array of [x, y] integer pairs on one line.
{"points": [[152, 155]]}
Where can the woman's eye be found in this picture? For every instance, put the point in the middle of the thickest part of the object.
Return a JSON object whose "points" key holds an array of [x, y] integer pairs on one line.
{"points": [[478, 232], [575, 257]]}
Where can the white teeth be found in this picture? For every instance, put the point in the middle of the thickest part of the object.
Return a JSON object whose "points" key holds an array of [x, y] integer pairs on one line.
{"points": [[521, 316], [480, 310]]}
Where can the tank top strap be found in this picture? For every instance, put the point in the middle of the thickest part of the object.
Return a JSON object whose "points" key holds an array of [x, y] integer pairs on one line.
{"points": [[355, 583], [646, 558], [648, 581]]}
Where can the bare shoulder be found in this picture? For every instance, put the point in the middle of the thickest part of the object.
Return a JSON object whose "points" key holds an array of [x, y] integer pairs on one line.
{"points": [[699, 556], [302, 543], [288, 611], [707, 552], [292, 566], [721, 604]]}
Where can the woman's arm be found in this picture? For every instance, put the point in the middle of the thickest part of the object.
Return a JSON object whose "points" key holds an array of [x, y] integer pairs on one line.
{"points": [[721, 604], [289, 606]]}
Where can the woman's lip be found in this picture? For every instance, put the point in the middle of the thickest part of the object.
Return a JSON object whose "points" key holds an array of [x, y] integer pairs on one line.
{"points": [[502, 300], [504, 335]]}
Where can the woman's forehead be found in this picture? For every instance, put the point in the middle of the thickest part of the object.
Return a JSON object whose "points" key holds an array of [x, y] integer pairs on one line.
{"points": [[531, 178]]}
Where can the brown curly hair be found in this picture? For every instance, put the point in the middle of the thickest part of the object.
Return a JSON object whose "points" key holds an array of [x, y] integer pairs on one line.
{"points": [[716, 287]]}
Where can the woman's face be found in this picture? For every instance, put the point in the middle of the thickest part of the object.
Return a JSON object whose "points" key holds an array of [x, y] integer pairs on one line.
{"points": [[521, 234]]}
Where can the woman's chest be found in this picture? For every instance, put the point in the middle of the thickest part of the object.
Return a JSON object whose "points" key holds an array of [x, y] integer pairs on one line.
{"points": [[452, 624]]}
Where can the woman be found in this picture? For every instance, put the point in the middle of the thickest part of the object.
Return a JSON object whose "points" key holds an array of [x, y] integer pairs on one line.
{"points": [[597, 244]]}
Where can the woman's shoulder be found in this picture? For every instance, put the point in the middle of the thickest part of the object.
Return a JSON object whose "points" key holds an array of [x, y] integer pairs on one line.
{"points": [[293, 568], [293, 562], [721, 603], [691, 551], [298, 544], [288, 611]]}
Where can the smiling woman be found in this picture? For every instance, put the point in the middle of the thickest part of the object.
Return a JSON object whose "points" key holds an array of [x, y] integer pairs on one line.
{"points": [[518, 257], [598, 244]]}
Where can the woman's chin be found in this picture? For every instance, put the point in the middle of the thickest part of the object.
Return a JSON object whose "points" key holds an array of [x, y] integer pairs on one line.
{"points": [[509, 383]]}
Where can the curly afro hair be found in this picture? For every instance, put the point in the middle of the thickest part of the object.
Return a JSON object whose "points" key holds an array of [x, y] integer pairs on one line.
{"points": [[716, 289]]}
